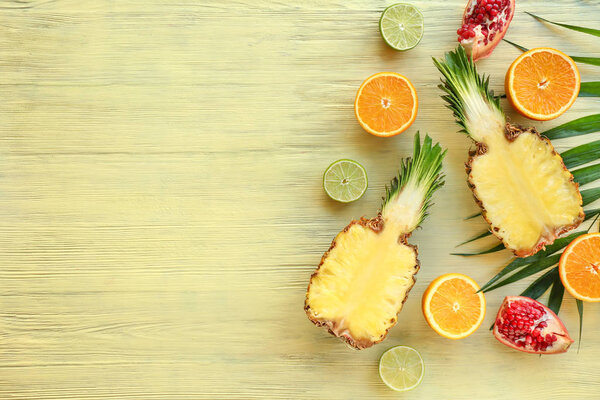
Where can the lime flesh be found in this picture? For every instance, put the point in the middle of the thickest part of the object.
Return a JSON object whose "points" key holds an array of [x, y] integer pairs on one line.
{"points": [[345, 181], [401, 368], [401, 26]]}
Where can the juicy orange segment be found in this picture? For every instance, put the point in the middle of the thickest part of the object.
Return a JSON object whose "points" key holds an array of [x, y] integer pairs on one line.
{"points": [[542, 83], [452, 306], [579, 267], [386, 104]]}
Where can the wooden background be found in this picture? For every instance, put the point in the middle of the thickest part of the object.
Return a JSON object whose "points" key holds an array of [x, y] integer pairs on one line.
{"points": [[161, 207]]}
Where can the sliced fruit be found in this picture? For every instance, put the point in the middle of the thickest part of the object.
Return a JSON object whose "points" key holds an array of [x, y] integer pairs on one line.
{"points": [[542, 83], [386, 104], [401, 26], [579, 267], [364, 278], [452, 306], [527, 325], [526, 193], [401, 368], [484, 24], [345, 180]]}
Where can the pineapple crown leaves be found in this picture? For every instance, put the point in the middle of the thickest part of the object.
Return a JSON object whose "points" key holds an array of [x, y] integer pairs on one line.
{"points": [[409, 194], [462, 83]]}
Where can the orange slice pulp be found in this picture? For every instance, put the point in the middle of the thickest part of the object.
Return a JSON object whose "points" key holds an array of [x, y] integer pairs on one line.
{"points": [[542, 83], [579, 267], [452, 306], [386, 104]]}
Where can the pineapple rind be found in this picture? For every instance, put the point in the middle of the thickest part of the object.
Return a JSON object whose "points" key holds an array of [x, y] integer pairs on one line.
{"points": [[385, 273], [478, 112], [359, 302]]}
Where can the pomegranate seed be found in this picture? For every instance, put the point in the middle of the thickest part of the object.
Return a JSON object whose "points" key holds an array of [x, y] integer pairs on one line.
{"points": [[488, 7], [493, 13], [543, 324], [479, 17], [528, 339], [554, 338]]}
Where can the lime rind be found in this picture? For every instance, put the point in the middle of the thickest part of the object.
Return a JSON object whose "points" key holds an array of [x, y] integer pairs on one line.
{"points": [[401, 368], [401, 26], [345, 180]]}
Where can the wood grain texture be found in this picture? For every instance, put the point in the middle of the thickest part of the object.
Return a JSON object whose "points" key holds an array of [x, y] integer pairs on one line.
{"points": [[161, 207]]}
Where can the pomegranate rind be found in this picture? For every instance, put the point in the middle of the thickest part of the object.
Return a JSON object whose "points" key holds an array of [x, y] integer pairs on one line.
{"points": [[476, 48], [555, 327]]}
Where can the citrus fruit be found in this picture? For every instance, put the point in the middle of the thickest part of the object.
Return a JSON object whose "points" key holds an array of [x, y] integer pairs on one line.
{"points": [[386, 104], [401, 368], [345, 180], [579, 266], [542, 83], [401, 26], [452, 306]]}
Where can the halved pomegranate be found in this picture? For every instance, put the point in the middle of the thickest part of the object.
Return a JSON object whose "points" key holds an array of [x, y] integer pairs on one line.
{"points": [[528, 325], [484, 24]]}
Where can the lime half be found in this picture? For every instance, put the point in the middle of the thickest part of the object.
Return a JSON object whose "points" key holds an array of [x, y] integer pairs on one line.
{"points": [[401, 368], [345, 181], [401, 26]]}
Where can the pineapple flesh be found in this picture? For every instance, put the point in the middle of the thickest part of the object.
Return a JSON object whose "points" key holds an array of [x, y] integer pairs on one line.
{"points": [[365, 276], [525, 192]]}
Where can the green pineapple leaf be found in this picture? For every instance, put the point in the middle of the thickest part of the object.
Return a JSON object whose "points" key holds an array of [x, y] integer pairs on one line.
{"points": [[419, 177]]}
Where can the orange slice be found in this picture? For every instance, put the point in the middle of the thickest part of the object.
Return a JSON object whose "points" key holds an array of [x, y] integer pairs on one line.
{"points": [[579, 267], [542, 83], [452, 306], [386, 104]]}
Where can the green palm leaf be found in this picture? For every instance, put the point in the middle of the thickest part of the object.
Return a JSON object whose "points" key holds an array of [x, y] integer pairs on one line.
{"points": [[556, 295], [586, 175], [589, 31], [589, 89], [527, 271], [577, 127], [585, 60], [582, 154], [541, 284]]}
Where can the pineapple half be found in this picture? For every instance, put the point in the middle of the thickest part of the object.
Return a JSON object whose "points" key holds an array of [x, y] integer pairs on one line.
{"points": [[525, 192], [363, 279]]}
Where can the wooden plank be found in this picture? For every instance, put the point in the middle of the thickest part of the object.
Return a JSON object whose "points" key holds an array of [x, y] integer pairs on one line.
{"points": [[161, 207]]}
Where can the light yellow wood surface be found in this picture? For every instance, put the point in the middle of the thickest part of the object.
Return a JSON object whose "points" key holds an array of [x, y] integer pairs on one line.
{"points": [[161, 207]]}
